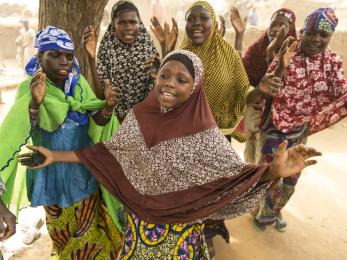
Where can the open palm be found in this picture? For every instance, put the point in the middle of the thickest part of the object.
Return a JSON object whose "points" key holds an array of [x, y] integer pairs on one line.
{"points": [[237, 22], [38, 87], [288, 162]]}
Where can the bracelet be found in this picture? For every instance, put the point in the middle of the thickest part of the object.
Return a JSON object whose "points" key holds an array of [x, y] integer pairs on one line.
{"points": [[106, 114], [32, 110]]}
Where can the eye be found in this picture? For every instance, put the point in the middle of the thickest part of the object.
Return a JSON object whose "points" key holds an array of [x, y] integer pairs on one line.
{"points": [[182, 81], [164, 76]]}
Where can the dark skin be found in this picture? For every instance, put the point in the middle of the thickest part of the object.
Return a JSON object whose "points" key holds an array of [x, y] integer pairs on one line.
{"points": [[173, 87], [198, 25], [127, 26], [314, 42], [56, 66], [7, 222]]}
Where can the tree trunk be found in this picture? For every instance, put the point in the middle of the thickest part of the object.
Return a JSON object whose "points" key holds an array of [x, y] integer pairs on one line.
{"points": [[73, 16]]}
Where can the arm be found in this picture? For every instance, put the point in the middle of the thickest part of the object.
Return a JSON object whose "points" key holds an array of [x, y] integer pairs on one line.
{"points": [[167, 37], [239, 27], [103, 116], [38, 93], [89, 44]]}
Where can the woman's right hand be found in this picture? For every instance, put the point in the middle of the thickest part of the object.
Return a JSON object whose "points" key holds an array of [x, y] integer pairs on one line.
{"points": [[38, 89], [158, 30], [275, 44], [27, 158], [237, 22], [152, 65], [89, 41]]}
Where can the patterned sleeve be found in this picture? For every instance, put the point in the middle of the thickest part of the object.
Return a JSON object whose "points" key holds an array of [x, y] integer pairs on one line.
{"points": [[2, 187], [34, 118], [337, 109]]}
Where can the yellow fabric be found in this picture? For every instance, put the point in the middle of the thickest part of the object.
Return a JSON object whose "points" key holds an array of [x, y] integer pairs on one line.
{"points": [[225, 80]]}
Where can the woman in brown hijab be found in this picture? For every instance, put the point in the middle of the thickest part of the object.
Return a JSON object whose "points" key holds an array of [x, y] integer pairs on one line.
{"points": [[170, 166]]}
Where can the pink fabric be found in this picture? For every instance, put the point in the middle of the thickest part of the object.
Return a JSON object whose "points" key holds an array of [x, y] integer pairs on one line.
{"points": [[314, 92]]}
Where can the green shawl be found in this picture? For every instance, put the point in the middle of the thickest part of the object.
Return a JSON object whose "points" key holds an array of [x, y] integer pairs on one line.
{"points": [[15, 133]]}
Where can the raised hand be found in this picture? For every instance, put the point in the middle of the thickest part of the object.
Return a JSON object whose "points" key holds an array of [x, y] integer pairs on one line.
{"points": [[288, 162], [269, 85], [221, 28], [7, 222], [171, 35], [275, 44], [237, 22], [89, 41], [38, 89], [152, 65], [112, 94], [158, 30], [287, 51]]}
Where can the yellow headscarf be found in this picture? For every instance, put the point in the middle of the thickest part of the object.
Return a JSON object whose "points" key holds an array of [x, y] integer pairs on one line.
{"points": [[225, 80]]}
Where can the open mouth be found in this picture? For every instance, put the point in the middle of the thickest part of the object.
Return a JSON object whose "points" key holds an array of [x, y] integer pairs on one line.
{"points": [[167, 96], [63, 72], [197, 33]]}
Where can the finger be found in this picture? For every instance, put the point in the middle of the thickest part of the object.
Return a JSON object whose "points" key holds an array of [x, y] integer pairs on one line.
{"points": [[156, 21], [24, 155], [36, 75], [310, 162], [11, 227], [174, 24], [282, 147], [245, 20], [43, 77], [34, 148], [293, 46], [107, 84]]}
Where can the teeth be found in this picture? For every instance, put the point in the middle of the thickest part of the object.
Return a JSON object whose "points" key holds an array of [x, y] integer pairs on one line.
{"points": [[168, 95]]}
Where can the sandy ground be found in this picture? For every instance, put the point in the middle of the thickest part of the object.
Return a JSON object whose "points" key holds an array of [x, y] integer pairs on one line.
{"points": [[316, 214]]}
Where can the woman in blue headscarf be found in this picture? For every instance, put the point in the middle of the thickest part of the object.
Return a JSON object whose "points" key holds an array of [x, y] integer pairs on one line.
{"points": [[56, 107]]}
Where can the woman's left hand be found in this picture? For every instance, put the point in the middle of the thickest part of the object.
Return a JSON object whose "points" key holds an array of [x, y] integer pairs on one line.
{"points": [[221, 27], [288, 162], [287, 51], [112, 93]]}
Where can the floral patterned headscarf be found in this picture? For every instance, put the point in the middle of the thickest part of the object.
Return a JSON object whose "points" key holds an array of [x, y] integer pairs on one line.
{"points": [[321, 19]]}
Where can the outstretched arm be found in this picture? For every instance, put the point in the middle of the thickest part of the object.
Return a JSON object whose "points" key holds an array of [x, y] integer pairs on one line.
{"points": [[42, 157]]}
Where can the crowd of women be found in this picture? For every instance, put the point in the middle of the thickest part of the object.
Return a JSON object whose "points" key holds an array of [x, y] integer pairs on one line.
{"points": [[138, 163]]}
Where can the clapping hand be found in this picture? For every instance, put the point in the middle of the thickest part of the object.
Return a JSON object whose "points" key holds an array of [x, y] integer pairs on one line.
{"points": [[237, 22], [112, 94], [89, 41]]}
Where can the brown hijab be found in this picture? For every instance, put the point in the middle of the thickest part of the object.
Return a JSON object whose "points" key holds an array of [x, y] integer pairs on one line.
{"points": [[175, 167]]}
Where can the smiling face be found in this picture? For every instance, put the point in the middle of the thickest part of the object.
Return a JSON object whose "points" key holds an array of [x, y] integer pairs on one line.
{"points": [[276, 23], [199, 25], [57, 64], [127, 27], [314, 41], [174, 84]]}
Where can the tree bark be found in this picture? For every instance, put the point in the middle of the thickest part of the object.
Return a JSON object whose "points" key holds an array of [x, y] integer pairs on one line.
{"points": [[73, 16]]}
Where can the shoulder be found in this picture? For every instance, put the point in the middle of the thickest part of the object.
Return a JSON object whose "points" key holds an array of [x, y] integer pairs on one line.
{"points": [[333, 56]]}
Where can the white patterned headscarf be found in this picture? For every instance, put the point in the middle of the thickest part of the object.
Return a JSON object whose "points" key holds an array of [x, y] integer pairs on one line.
{"points": [[124, 63]]}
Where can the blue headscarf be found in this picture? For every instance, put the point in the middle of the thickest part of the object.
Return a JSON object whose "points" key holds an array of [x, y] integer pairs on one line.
{"points": [[52, 38]]}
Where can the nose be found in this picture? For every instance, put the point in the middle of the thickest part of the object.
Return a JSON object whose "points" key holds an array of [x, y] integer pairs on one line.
{"points": [[196, 21], [63, 61], [315, 38]]}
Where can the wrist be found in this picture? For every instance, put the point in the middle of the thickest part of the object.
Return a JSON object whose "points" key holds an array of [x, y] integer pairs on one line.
{"points": [[240, 34], [272, 173], [34, 105]]}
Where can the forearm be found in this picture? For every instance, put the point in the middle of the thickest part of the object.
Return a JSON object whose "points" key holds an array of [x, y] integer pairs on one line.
{"points": [[34, 115], [253, 97], [238, 43], [65, 156], [96, 82], [163, 50]]}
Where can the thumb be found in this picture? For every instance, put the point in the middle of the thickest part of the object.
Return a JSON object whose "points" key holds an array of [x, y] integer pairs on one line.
{"points": [[43, 76], [33, 148], [282, 147]]}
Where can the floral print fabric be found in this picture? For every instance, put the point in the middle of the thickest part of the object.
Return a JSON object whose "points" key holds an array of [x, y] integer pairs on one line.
{"points": [[313, 93]]}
